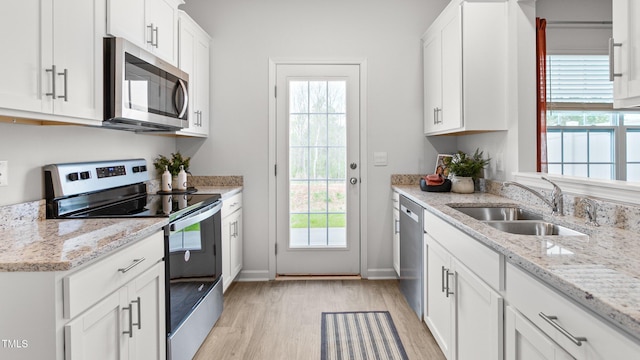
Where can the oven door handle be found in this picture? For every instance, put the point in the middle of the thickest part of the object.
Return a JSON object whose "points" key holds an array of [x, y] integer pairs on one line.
{"points": [[185, 94], [196, 218]]}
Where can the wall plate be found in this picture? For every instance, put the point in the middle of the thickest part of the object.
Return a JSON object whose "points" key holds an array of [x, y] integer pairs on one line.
{"points": [[4, 173]]}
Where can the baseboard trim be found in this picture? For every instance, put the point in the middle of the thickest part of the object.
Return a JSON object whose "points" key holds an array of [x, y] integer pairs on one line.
{"points": [[253, 275], [382, 274]]}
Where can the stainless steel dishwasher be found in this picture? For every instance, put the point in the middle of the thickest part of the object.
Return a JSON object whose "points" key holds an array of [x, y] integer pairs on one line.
{"points": [[411, 237]]}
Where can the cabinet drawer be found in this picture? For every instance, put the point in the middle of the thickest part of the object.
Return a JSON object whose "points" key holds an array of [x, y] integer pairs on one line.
{"points": [[231, 204], [88, 285], [531, 297], [482, 261]]}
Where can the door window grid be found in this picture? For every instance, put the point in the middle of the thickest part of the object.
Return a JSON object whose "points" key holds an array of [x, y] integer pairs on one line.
{"points": [[317, 170]]}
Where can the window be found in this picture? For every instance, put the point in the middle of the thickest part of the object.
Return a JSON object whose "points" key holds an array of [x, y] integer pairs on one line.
{"points": [[585, 135]]}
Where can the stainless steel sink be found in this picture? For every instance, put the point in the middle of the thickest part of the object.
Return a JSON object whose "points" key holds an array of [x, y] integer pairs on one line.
{"points": [[490, 213], [532, 227]]}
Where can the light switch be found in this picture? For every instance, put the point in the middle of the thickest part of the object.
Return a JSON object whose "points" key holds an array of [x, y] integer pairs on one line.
{"points": [[379, 159]]}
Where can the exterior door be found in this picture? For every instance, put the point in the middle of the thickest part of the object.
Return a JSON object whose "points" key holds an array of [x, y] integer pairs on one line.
{"points": [[317, 169]]}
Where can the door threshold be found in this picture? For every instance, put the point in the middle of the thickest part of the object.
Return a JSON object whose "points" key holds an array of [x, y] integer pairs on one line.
{"points": [[317, 277]]}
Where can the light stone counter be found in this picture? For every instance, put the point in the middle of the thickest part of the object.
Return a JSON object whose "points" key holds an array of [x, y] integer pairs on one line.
{"points": [[59, 245], [600, 271]]}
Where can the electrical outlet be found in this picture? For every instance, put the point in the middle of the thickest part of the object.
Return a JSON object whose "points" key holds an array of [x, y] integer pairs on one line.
{"points": [[4, 173]]}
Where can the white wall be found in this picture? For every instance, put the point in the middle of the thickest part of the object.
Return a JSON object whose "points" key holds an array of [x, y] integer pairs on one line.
{"points": [[247, 33], [29, 147]]}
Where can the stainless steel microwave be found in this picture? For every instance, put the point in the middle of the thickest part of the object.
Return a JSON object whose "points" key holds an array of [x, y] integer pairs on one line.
{"points": [[142, 92]]}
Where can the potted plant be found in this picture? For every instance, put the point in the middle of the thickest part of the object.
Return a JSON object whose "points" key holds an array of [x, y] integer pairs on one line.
{"points": [[172, 164], [465, 170]]}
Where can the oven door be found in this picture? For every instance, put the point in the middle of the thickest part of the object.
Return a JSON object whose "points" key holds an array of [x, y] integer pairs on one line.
{"points": [[193, 261]]}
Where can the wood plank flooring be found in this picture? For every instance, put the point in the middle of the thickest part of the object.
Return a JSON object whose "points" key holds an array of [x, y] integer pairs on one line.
{"points": [[281, 319]]}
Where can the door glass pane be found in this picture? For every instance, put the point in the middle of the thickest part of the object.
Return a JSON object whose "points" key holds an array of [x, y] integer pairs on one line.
{"points": [[575, 147], [317, 164], [633, 145], [600, 146]]}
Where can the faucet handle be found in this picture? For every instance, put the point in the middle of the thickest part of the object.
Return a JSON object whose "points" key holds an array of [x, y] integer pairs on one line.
{"points": [[590, 209], [556, 197]]}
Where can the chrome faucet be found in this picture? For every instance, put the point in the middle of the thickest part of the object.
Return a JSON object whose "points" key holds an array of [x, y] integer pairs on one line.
{"points": [[556, 202], [590, 208]]}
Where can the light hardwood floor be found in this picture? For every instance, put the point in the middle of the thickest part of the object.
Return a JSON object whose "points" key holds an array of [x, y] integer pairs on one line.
{"points": [[281, 319]]}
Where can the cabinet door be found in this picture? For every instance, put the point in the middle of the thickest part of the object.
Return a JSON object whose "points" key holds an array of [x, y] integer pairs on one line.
{"points": [[146, 294], [77, 55], [451, 58], [439, 304], [21, 71], [226, 251], [478, 317], [98, 332], [432, 55], [236, 244], [396, 241], [626, 31], [194, 59], [202, 48], [162, 16], [126, 18], [524, 341]]}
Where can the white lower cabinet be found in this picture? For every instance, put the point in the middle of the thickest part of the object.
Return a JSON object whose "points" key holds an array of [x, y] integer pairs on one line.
{"points": [[232, 249], [575, 330], [396, 233], [128, 324], [111, 308], [524, 341], [464, 314]]}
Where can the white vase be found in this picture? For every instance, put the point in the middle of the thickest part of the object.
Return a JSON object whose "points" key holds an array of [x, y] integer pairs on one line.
{"points": [[462, 184]]}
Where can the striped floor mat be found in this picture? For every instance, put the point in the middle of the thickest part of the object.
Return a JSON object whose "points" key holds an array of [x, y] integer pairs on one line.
{"points": [[360, 335]]}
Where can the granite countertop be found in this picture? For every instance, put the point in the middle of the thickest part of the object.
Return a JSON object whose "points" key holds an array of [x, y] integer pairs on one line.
{"points": [[32, 243], [60, 245], [600, 270]]}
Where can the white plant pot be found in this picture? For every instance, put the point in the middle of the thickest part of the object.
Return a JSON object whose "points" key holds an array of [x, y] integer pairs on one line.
{"points": [[462, 184]]}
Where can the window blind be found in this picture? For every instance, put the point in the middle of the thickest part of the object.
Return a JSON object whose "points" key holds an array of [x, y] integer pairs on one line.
{"points": [[578, 82]]}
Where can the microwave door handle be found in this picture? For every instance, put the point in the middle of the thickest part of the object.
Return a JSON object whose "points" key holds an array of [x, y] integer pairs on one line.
{"points": [[190, 220], [186, 98]]}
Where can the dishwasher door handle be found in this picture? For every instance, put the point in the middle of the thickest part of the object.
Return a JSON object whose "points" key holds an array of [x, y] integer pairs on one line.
{"points": [[409, 213]]}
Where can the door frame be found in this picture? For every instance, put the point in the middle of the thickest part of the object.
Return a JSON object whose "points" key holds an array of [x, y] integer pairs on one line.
{"points": [[273, 63]]}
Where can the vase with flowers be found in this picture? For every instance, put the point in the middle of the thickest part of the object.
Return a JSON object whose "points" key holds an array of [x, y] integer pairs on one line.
{"points": [[173, 165], [465, 169]]}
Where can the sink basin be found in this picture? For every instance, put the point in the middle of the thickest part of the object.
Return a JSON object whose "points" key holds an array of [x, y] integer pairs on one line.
{"points": [[532, 227], [489, 213]]}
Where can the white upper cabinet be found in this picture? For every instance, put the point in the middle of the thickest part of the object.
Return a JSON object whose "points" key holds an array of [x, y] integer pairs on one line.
{"points": [[625, 48], [150, 24], [465, 65], [193, 58], [55, 62]]}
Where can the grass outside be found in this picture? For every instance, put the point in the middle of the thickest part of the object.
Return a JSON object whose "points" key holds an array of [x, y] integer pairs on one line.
{"points": [[318, 220]]}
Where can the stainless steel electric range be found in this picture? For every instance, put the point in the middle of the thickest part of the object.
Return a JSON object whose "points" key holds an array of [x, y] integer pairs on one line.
{"points": [[193, 254]]}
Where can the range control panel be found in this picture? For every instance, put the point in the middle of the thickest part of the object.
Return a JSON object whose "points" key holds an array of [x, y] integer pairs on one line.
{"points": [[78, 178]]}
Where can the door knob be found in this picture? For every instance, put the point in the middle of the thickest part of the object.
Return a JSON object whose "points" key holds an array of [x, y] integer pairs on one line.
{"points": [[353, 181], [353, 166]]}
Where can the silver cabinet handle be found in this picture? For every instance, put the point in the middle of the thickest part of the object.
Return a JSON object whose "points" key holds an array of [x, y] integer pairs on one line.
{"points": [[130, 331], [64, 74], [136, 262], [53, 82], [442, 277], [435, 116], [550, 319], [612, 73], [449, 292], [230, 230], [139, 323], [150, 27], [396, 229], [156, 43]]}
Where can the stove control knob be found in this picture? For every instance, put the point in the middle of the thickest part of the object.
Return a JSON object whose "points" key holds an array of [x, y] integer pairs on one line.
{"points": [[143, 168], [85, 175], [136, 169], [72, 176]]}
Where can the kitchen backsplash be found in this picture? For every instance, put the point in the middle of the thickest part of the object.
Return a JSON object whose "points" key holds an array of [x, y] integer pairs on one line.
{"points": [[609, 213]]}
